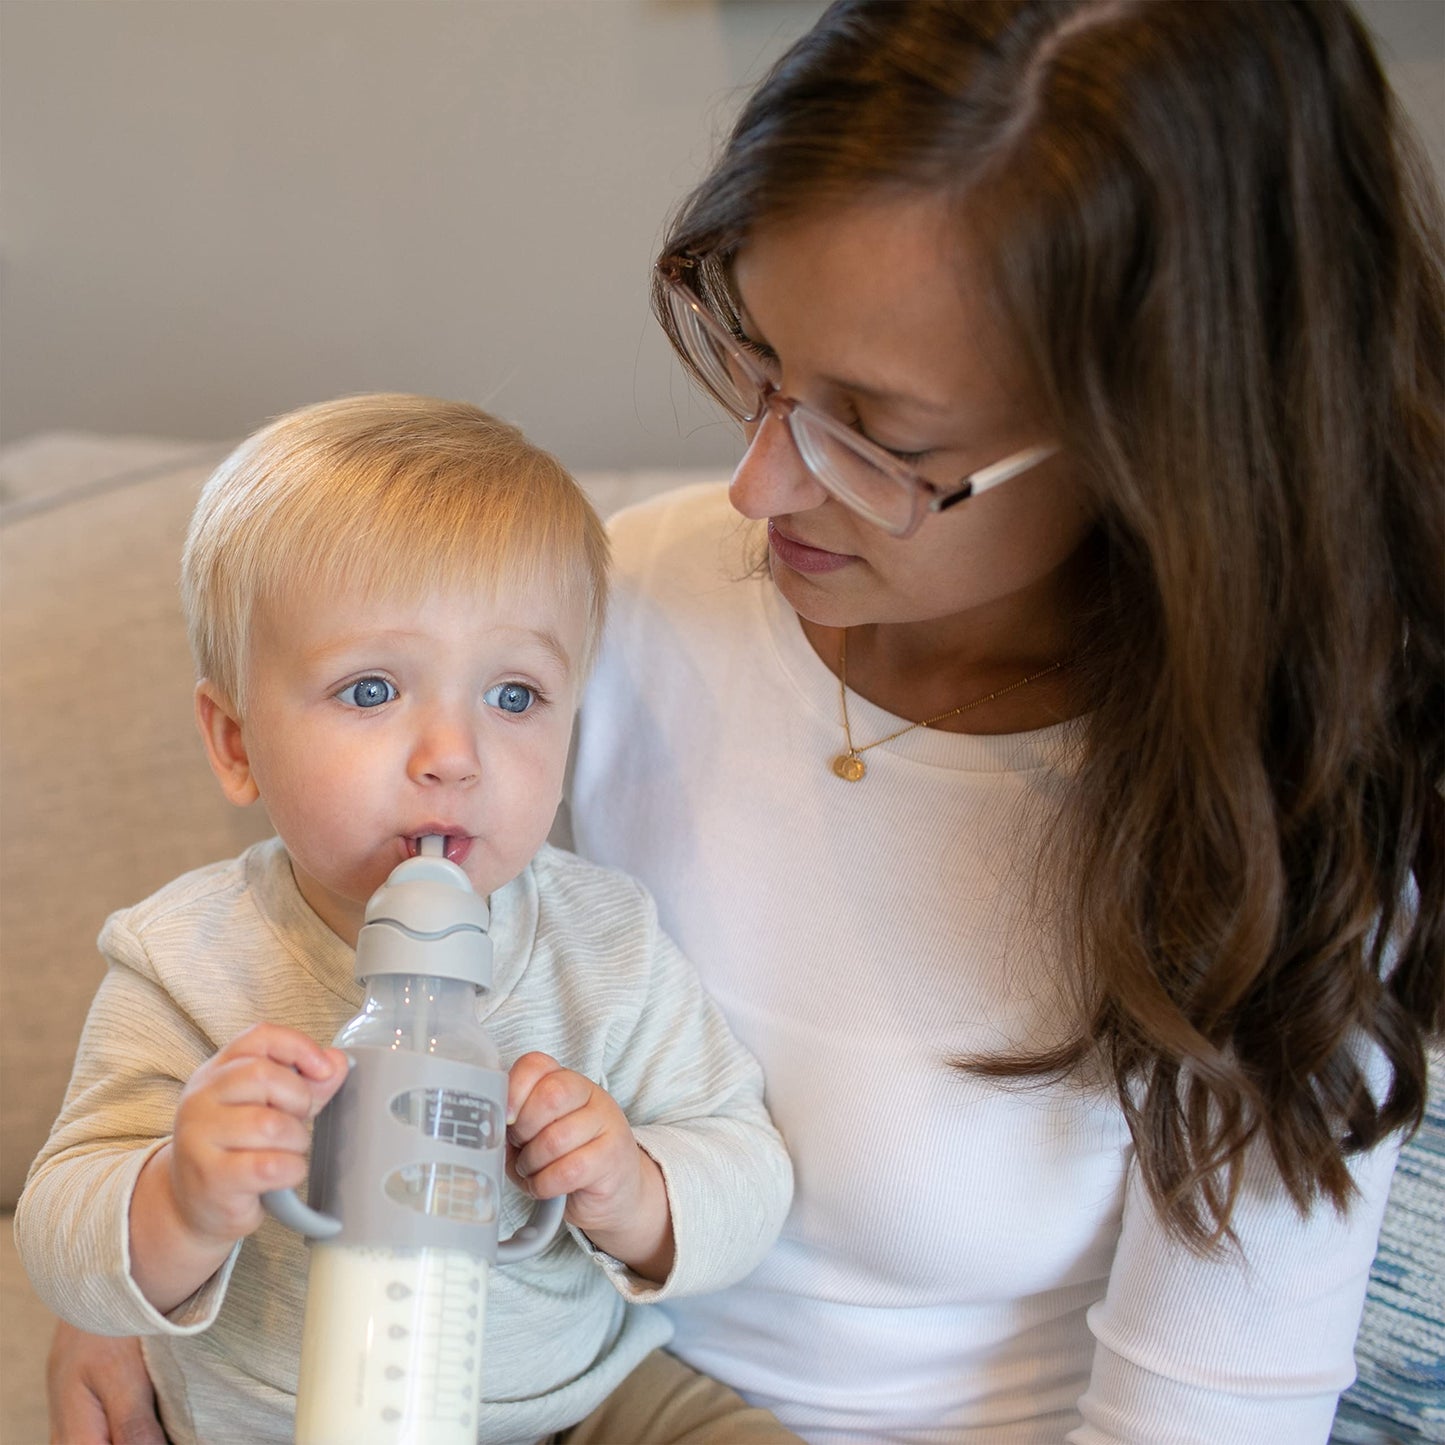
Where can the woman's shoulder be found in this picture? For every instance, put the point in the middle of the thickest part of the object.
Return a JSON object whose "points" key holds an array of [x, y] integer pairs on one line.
{"points": [[675, 533]]}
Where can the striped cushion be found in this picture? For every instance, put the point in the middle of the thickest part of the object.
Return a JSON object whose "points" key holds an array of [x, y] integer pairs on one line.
{"points": [[1399, 1394]]}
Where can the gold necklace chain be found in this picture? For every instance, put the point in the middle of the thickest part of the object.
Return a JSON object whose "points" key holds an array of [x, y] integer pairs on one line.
{"points": [[850, 766]]}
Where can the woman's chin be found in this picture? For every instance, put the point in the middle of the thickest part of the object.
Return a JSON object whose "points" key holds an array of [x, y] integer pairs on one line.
{"points": [[820, 600]]}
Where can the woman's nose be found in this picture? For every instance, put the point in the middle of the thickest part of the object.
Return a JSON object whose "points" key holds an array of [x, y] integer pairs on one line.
{"points": [[771, 480], [445, 752]]}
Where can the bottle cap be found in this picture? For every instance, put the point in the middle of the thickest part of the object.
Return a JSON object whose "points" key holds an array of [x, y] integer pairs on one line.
{"points": [[426, 919]]}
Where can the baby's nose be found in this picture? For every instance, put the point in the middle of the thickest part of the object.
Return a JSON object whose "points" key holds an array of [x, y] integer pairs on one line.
{"points": [[445, 753]]}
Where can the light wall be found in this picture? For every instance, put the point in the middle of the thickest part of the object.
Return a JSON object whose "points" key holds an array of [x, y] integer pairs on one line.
{"points": [[214, 210]]}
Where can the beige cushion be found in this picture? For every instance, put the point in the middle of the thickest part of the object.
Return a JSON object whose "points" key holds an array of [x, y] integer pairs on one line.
{"points": [[25, 1330], [104, 789]]}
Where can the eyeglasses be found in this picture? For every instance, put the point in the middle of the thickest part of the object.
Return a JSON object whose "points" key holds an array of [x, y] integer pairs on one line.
{"points": [[864, 476]]}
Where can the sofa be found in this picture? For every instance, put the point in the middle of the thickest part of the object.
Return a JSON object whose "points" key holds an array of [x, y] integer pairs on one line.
{"points": [[105, 794]]}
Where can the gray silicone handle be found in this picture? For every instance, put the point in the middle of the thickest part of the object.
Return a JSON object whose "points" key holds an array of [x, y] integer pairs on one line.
{"points": [[285, 1205], [536, 1234], [531, 1238]]}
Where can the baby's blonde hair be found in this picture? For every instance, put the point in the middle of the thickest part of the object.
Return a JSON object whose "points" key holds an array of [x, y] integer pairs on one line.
{"points": [[389, 494]]}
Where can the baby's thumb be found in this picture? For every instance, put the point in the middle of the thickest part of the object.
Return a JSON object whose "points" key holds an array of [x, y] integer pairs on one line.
{"points": [[322, 1090]]}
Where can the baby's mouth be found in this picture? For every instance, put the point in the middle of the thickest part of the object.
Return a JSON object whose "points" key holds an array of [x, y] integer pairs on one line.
{"points": [[455, 846]]}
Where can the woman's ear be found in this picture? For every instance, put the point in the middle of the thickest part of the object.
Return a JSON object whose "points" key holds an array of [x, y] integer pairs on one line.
{"points": [[220, 726]]}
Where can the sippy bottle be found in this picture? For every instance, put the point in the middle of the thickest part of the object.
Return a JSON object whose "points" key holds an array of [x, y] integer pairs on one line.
{"points": [[406, 1180]]}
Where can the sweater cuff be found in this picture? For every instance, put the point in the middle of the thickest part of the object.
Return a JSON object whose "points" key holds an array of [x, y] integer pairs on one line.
{"points": [[1127, 1404], [633, 1287], [198, 1311], [626, 1281], [728, 1189]]}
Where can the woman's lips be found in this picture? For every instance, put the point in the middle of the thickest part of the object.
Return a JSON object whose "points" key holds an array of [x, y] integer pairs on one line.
{"points": [[800, 556]]}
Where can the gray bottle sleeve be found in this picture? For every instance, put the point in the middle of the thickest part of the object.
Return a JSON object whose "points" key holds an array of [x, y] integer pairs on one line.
{"points": [[410, 1152]]}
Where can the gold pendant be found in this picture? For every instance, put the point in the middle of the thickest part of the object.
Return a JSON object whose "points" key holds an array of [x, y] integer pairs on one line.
{"points": [[849, 766]]}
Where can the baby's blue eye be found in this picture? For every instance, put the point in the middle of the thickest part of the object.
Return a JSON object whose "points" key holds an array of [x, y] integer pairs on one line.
{"points": [[510, 697], [368, 692]]}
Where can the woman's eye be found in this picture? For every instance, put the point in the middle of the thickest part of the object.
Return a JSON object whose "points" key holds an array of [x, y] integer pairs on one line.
{"points": [[367, 692], [760, 351], [909, 458], [897, 453], [510, 697]]}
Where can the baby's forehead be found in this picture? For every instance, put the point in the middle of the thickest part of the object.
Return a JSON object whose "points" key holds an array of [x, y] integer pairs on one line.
{"points": [[544, 602], [406, 576]]}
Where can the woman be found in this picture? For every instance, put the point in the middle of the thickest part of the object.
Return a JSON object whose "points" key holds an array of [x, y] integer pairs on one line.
{"points": [[1053, 806]]}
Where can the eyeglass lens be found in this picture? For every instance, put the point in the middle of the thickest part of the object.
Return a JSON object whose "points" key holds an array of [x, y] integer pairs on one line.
{"points": [[718, 365], [879, 497], [736, 382]]}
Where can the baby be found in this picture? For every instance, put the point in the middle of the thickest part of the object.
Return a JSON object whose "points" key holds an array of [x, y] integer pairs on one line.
{"points": [[393, 603]]}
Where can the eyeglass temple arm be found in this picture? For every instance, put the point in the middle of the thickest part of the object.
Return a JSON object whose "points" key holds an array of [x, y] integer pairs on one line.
{"points": [[981, 481]]}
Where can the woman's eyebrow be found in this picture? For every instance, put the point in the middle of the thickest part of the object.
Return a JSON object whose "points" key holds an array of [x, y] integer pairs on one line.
{"points": [[879, 395], [885, 397]]}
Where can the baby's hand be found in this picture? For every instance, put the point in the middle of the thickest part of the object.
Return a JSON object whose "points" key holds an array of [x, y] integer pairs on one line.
{"points": [[566, 1135], [241, 1127]]}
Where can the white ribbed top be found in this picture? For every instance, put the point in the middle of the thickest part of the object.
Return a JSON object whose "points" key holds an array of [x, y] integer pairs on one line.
{"points": [[943, 1274]]}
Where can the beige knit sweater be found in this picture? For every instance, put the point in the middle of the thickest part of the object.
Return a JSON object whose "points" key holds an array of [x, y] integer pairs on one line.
{"points": [[582, 971]]}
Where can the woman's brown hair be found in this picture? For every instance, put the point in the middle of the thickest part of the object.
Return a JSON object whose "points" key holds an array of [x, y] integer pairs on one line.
{"points": [[1216, 244]]}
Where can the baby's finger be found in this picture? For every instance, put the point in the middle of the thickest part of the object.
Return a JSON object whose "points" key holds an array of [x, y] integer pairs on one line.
{"points": [[552, 1094], [248, 1173], [258, 1170], [252, 1127], [576, 1171], [562, 1137], [253, 1080], [322, 1090], [522, 1078], [220, 1192], [289, 1047]]}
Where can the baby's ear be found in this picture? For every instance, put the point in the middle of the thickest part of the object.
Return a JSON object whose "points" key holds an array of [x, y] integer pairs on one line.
{"points": [[221, 730]]}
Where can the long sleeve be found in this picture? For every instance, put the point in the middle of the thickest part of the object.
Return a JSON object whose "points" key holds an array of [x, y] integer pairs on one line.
{"points": [[1251, 1347], [72, 1222]]}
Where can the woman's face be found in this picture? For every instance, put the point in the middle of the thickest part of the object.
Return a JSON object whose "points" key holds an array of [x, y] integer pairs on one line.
{"points": [[875, 318]]}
